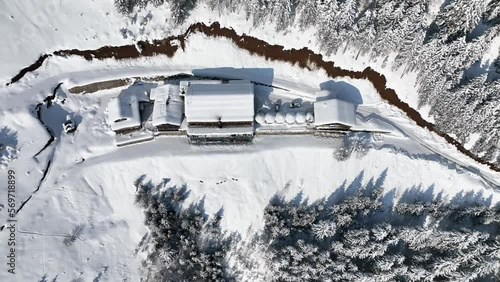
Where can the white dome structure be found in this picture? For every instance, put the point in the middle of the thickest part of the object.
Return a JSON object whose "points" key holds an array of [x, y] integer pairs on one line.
{"points": [[300, 117], [260, 118], [290, 118], [309, 117], [280, 117], [270, 117]]}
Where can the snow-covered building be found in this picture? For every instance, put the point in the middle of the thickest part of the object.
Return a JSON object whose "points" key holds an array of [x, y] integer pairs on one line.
{"points": [[123, 114], [334, 114], [220, 112], [168, 109], [184, 84]]}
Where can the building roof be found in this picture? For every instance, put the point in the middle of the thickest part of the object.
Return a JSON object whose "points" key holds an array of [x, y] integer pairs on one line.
{"points": [[184, 84], [164, 90], [232, 102], [168, 107], [334, 111], [123, 113], [219, 132]]}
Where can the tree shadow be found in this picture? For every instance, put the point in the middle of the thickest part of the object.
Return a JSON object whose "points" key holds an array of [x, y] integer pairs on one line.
{"points": [[417, 193], [468, 198]]}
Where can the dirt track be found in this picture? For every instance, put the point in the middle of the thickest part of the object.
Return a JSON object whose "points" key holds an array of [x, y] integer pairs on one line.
{"points": [[304, 58]]}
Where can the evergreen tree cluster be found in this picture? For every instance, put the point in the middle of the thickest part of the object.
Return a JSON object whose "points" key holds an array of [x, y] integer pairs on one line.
{"points": [[180, 8], [358, 238], [356, 234], [183, 244]]}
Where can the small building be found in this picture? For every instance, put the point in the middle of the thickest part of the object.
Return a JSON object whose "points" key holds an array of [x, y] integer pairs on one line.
{"points": [[220, 112], [123, 114], [334, 114], [168, 109]]}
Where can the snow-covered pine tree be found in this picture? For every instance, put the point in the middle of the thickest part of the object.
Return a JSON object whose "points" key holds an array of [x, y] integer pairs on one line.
{"points": [[324, 229], [328, 34], [457, 18], [308, 11]]}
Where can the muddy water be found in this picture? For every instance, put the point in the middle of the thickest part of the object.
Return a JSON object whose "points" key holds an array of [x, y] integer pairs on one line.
{"points": [[304, 58]]}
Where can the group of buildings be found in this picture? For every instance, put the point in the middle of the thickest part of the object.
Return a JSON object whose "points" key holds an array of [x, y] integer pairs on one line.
{"points": [[218, 110]]}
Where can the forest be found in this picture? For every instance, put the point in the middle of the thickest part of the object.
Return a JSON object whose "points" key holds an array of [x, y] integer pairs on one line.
{"points": [[357, 233], [444, 42]]}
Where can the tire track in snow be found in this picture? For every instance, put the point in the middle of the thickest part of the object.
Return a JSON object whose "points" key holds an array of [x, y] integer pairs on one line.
{"points": [[414, 137]]}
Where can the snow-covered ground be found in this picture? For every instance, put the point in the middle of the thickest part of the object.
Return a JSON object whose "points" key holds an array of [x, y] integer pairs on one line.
{"points": [[91, 24], [98, 193], [89, 186]]}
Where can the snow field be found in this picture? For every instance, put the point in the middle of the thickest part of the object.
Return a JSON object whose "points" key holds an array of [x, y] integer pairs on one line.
{"points": [[98, 193]]}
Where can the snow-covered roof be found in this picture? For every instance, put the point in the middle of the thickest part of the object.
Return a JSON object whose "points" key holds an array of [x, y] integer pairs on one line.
{"points": [[184, 84], [168, 108], [164, 90], [123, 113], [230, 102], [219, 132], [334, 111]]}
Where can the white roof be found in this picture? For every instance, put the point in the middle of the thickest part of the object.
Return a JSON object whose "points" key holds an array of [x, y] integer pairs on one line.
{"points": [[167, 109], [334, 111], [229, 102], [184, 84], [164, 90], [123, 113], [219, 132]]}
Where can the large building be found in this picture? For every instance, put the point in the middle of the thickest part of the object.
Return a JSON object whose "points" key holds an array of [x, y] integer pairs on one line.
{"points": [[220, 112], [333, 113]]}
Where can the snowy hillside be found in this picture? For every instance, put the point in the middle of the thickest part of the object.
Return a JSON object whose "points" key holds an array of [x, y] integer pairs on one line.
{"points": [[403, 201]]}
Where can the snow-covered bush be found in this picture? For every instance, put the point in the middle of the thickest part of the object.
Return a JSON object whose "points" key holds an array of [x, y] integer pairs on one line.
{"points": [[8, 146], [358, 143]]}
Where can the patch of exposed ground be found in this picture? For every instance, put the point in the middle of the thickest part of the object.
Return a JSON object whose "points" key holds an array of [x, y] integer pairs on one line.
{"points": [[97, 86]]}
